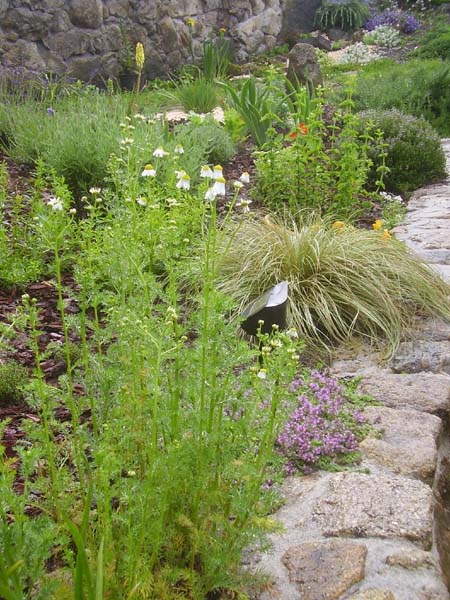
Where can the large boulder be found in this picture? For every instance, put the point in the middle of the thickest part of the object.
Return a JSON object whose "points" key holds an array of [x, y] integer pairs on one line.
{"points": [[298, 17], [304, 68]]}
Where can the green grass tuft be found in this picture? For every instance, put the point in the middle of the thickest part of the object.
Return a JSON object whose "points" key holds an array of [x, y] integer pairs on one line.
{"points": [[342, 282]]}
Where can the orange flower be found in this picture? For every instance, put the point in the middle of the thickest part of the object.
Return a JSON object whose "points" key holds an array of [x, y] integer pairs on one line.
{"points": [[302, 128]]}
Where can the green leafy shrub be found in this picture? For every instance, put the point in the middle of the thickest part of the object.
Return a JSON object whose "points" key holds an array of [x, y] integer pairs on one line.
{"points": [[418, 87], [348, 15], [435, 44], [314, 169], [78, 136], [208, 138], [75, 138], [235, 125], [13, 378], [342, 281], [414, 155]]}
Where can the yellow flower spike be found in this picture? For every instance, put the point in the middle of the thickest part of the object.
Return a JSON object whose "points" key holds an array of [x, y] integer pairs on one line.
{"points": [[377, 225], [140, 56], [338, 225], [386, 235], [190, 22]]}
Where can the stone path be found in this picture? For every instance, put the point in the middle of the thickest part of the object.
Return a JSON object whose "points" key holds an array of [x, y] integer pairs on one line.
{"points": [[382, 532]]}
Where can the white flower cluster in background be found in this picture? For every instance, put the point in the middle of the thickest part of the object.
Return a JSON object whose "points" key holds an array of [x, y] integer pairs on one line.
{"points": [[383, 36], [358, 53]]}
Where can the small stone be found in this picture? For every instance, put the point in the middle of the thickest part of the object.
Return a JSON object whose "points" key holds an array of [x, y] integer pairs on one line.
{"points": [[410, 559], [382, 506], [325, 570], [373, 594]]}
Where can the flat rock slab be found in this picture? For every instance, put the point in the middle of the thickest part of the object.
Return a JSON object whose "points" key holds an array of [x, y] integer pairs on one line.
{"points": [[373, 595], [382, 506], [411, 559], [422, 355], [408, 445], [427, 392], [433, 330], [442, 270], [325, 570], [439, 256]]}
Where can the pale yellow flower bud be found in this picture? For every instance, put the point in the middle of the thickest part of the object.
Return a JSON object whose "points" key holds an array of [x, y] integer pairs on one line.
{"points": [[140, 56]]}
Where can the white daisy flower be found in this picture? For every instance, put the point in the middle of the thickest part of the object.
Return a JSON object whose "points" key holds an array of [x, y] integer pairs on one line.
{"points": [[219, 187], [217, 172], [210, 194], [141, 201], [160, 153], [245, 177], [95, 190], [179, 149], [238, 185], [148, 171], [206, 171], [184, 182], [245, 204], [55, 203]]}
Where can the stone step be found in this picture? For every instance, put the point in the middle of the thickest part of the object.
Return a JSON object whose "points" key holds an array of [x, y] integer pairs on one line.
{"points": [[381, 505], [349, 533], [443, 271], [406, 443], [426, 392], [422, 355]]}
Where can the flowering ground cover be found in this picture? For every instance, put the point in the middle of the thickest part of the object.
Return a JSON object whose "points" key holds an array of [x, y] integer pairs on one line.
{"points": [[143, 438]]}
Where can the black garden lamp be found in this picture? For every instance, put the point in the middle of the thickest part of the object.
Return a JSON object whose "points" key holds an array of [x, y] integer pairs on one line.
{"points": [[270, 307]]}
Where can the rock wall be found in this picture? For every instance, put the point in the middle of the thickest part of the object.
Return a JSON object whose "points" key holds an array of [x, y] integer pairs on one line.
{"points": [[95, 39]]}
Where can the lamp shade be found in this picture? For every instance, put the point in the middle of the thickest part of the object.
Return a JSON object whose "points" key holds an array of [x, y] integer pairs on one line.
{"points": [[270, 307]]}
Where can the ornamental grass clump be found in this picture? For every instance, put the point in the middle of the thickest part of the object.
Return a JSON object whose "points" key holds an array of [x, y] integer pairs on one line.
{"points": [[343, 281]]}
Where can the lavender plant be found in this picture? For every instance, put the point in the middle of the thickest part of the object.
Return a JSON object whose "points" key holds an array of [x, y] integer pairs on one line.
{"points": [[403, 21]]}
